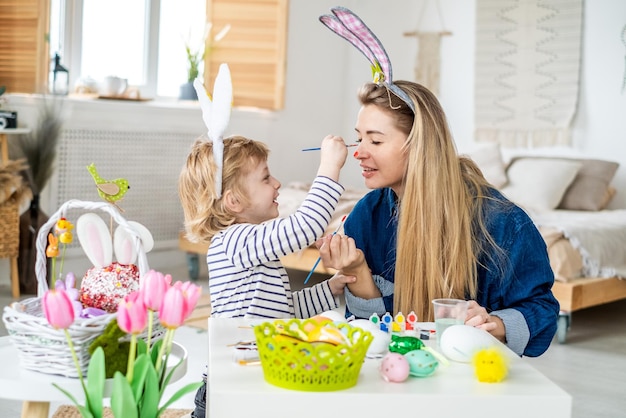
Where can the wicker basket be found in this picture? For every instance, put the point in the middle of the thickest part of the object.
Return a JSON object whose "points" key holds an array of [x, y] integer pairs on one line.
{"points": [[40, 347], [299, 365], [9, 229]]}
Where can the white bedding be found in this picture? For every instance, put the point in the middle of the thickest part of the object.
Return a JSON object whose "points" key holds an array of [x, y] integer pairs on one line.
{"points": [[599, 236]]}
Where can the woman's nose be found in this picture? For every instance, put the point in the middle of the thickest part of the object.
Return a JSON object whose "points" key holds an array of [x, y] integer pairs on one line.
{"points": [[358, 154]]}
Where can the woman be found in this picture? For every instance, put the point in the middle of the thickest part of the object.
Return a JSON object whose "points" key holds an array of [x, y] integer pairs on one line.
{"points": [[433, 227]]}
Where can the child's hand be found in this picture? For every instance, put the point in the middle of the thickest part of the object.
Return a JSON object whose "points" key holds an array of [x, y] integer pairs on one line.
{"points": [[338, 282], [333, 156]]}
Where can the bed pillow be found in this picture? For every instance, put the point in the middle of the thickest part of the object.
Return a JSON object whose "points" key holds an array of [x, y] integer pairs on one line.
{"points": [[590, 187], [539, 183], [489, 159]]}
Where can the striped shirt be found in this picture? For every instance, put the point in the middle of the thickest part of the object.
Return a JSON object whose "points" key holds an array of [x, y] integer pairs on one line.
{"points": [[246, 277]]}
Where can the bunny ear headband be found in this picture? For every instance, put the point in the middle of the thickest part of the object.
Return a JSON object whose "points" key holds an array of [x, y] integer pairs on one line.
{"points": [[216, 115], [350, 27]]}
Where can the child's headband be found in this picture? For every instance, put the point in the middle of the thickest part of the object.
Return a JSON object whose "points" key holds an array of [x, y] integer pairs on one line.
{"points": [[350, 27], [216, 115]]}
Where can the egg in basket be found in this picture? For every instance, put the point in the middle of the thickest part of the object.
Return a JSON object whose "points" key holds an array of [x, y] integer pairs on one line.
{"points": [[314, 354]]}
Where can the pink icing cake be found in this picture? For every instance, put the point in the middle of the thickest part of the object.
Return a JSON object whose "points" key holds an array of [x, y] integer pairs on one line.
{"points": [[103, 288]]}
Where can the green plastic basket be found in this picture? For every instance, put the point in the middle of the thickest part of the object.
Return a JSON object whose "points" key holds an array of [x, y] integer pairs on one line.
{"points": [[315, 367]]}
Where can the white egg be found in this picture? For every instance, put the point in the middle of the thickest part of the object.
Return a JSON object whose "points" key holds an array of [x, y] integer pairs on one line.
{"points": [[333, 316], [460, 342], [380, 343], [365, 324]]}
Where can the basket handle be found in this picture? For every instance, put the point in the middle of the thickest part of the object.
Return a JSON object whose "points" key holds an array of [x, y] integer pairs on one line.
{"points": [[42, 238]]}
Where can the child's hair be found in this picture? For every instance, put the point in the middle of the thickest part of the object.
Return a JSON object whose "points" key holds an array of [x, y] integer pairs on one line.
{"points": [[205, 214]]}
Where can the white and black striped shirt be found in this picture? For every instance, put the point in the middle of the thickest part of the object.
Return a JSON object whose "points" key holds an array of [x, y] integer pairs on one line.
{"points": [[246, 277]]}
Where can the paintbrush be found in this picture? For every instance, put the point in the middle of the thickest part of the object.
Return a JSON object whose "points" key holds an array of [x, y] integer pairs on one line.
{"points": [[320, 258], [318, 148]]}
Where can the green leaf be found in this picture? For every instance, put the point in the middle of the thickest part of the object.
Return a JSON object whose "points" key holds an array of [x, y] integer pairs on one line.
{"points": [[142, 347], [154, 351], [95, 382], [169, 375], [179, 394], [84, 411], [142, 367], [151, 395], [122, 401]]}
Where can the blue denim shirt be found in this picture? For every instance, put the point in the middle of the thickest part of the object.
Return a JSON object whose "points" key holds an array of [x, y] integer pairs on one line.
{"points": [[516, 289]]}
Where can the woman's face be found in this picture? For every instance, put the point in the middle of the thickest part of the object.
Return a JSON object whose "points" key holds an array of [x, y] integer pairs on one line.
{"points": [[380, 154]]}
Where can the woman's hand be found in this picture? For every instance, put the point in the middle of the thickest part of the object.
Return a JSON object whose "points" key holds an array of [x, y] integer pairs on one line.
{"points": [[478, 317], [340, 252]]}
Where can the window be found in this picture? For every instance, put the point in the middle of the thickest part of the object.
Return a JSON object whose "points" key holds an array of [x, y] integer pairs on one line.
{"points": [[144, 41], [141, 40]]}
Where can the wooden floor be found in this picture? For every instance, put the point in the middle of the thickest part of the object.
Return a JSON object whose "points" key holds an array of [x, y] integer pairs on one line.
{"points": [[591, 366]]}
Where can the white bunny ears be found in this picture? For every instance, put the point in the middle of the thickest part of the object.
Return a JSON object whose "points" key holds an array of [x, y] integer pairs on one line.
{"points": [[350, 27], [95, 238], [216, 115]]}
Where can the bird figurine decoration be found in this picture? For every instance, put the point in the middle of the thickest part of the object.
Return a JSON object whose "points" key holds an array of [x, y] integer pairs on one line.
{"points": [[110, 190]]}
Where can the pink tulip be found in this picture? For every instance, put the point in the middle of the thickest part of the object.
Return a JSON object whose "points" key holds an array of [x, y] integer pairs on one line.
{"points": [[132, 314], [58, 308], [191, 293], [153, 288], [173, 309]]}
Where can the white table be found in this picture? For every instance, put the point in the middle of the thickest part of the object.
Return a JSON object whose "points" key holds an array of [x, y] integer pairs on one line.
{"points": [[240, 391], [36, 389]]}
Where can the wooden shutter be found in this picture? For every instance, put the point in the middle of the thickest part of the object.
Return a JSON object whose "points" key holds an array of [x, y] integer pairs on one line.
{"points": [[255, 49], [24, 61]]}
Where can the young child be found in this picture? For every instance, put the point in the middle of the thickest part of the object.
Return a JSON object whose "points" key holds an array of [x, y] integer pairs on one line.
{"points": [[246, 277]]}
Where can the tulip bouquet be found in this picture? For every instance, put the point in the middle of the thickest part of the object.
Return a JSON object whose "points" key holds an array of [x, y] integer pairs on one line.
{"points": [[138, 393]]}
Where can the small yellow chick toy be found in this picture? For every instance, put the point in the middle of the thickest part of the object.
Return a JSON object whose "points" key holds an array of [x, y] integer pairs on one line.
{"points": [[490, 365], [109, 190]]}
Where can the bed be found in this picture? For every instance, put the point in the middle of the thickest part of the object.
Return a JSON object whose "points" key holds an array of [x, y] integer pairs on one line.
{"points": [[585, 241]]}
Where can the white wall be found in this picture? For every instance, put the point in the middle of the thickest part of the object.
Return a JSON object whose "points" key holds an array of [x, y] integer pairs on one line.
{"points": [[324, 71]]}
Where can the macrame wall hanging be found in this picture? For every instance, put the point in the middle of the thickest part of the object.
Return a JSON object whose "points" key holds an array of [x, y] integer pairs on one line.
{"points": [[428, 60], [527, 71]]}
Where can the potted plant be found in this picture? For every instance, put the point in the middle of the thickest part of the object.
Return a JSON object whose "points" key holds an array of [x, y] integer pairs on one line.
{"points": [[195, 58], [39, 149]]}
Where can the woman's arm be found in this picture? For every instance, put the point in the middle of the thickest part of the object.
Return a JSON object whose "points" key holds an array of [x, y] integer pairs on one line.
{"points": [[340, 252]]}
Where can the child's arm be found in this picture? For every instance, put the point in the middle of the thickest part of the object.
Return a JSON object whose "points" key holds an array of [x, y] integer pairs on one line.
{"points": [[320, 298], [249, 245]]}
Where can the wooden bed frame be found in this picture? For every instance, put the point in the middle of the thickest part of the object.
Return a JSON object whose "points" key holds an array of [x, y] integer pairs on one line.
{"points": [[572, 296]]}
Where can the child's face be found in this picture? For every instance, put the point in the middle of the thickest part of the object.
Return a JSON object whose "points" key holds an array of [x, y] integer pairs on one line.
{"points": [[262, 191]]}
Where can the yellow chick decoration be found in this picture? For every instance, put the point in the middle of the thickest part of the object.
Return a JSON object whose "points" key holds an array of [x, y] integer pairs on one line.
{"points": [[110, 190], [490, 365]]}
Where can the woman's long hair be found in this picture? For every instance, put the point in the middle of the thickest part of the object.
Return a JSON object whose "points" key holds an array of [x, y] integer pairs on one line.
{"points": [[440, 227]]}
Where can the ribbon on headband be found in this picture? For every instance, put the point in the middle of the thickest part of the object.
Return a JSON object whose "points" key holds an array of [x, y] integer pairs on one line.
{"points": [[216, 115], [349, 26]]}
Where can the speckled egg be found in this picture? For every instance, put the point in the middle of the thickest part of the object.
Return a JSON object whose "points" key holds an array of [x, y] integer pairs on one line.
{"points": [[394, 368], [421, 363]]}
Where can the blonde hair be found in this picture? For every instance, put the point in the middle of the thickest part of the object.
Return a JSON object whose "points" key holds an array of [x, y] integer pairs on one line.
{"points": [[441, 230], [205, 214]]}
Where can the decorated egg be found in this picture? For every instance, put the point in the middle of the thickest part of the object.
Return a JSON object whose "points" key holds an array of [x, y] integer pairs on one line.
{"points": [[404, 343], [394, 368], [421, 363]]}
